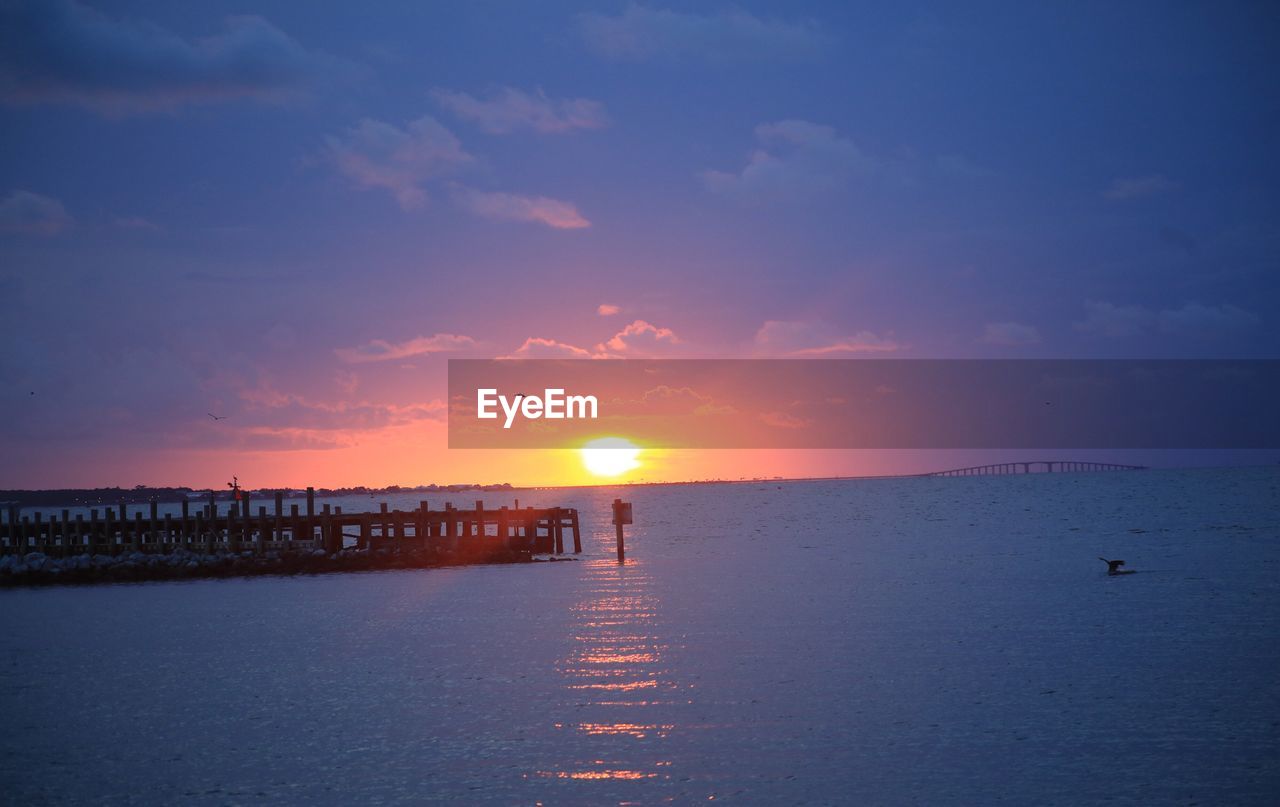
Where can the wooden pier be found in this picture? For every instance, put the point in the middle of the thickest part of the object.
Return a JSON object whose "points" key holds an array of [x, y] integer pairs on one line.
{"points": [[238, 527]]}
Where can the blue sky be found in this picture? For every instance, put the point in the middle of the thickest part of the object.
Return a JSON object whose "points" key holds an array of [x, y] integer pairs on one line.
{"points": [[296, 213]]}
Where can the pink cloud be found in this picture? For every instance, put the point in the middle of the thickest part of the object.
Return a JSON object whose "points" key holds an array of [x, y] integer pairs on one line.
{"points": [[535, 347], [640, 338], [267, 408], [382, 350], [606, 310], [512, 207]]}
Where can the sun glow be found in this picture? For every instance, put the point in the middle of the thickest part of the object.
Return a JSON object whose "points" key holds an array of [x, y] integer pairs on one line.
{"points": [[610, 456]]}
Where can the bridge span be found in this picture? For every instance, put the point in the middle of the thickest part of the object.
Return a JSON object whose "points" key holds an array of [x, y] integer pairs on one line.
{"points": [[1036, 467]]}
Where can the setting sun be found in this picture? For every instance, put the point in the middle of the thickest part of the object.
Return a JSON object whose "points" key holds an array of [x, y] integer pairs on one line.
{"points": [[610, 456]]}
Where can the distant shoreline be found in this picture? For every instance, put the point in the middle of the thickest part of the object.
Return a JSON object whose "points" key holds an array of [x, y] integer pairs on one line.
{"points": [[88, 497]]}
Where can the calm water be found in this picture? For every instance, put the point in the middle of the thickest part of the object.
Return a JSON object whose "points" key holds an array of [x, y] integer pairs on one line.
{"points": [[940, 641]]}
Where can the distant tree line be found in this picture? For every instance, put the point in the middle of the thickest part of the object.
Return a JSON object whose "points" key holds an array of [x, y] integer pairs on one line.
{"points": [[141, 494]]}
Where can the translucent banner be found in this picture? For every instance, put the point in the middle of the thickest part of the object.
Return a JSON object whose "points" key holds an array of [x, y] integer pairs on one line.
{"points": [[874, 403]]}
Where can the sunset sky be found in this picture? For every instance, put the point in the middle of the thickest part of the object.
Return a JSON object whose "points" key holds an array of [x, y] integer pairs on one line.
{"points": [[293, 218]]}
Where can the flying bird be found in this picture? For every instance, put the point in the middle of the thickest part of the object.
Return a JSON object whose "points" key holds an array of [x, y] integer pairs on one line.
{"points": [[210, 414], [1113, 567]]}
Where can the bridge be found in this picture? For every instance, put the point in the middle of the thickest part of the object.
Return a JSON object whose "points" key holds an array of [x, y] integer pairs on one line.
{"points": [[1036, 467]]}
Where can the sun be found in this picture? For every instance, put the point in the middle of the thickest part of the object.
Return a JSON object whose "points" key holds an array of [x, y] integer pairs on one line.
{"points": [[610, 456]]}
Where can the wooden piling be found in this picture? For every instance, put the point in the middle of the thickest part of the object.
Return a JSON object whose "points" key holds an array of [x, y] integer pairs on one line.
{"points": [[621, 516], [264, 530]]}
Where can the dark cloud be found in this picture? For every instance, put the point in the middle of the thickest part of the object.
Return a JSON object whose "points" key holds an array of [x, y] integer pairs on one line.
{"points": [[1180, 239], [26, 212], [1105, 319], [796, 158], [642, 32], [62, 52]]}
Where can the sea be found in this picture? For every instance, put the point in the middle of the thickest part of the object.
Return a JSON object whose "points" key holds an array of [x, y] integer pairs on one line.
{"points": [[883, 641]]}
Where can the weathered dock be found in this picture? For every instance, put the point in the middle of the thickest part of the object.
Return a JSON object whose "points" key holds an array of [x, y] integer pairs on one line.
{"points": [[241, 528]]}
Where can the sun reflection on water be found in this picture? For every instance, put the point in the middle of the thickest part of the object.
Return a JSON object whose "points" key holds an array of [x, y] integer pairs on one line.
{"points": [[619, 648]]}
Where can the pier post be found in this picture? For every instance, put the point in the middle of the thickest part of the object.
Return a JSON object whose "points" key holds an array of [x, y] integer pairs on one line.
{"points": [[326, 533], [422, 529], [450, 528], [277, 534], [264, 527], [621, 516], [577, 533], [233, 545], [123, 514], [311, 503]]}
